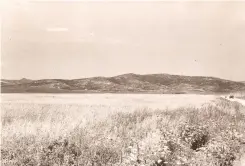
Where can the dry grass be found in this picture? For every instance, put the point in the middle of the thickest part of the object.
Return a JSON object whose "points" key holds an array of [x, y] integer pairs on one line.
{"points": [[55, 134]]}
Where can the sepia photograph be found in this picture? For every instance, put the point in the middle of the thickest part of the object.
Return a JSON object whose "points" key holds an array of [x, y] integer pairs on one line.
{"points": [[122, 83]]}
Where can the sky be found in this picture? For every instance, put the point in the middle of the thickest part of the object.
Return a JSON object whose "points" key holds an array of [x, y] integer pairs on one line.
{"points": [[75, 39]]}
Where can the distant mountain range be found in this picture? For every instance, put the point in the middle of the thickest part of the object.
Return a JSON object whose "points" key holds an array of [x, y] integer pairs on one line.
{"points": [[126, 83]]}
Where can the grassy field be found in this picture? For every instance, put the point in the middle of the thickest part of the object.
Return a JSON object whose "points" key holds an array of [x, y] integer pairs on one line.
{"points": [[111, 129]]}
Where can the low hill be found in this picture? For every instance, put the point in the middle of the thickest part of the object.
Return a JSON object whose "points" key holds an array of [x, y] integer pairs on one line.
{"points": [[126, 83]]}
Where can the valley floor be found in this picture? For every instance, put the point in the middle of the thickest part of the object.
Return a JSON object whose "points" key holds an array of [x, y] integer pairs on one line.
{"points": [[121, 129]]}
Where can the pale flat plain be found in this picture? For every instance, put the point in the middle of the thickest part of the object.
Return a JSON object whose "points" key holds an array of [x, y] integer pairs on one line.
{"points": [[38, 113], [149, 100]]}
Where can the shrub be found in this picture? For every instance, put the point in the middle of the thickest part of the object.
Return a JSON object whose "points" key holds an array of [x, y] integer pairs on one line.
{"points": [[195, 136]]}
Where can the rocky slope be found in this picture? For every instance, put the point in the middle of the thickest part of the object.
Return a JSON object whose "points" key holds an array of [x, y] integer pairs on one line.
{"points": [[126, 83]]}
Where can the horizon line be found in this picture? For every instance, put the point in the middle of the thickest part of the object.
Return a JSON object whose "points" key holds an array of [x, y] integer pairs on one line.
{"points": [[120, 75]]}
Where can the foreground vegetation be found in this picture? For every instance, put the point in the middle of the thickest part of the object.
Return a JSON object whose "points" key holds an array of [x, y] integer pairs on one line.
{"points": [[213, 135]]}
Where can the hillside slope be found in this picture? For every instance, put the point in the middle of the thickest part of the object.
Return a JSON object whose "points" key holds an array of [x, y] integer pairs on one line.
{"points": [[126, 83]]}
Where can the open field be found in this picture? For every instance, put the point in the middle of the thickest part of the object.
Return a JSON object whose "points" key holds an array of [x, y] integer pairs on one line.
{"points": [[121, 129], [162, 100], [73, 110]]}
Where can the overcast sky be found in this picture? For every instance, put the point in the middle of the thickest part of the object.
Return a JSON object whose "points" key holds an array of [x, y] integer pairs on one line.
{"points": [[42, 39]]}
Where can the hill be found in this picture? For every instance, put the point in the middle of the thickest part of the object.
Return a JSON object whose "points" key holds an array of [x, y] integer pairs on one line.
{"points": [[126, 83]]}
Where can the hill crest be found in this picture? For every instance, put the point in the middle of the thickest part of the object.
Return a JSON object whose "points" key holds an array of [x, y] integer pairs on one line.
{"points": [[125, 83]]}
